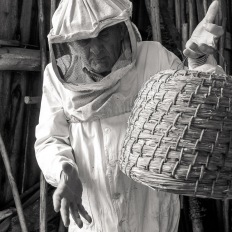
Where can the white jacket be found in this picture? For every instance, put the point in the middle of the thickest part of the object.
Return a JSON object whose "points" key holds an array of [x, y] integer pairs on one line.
{"points": [[115, 202]]}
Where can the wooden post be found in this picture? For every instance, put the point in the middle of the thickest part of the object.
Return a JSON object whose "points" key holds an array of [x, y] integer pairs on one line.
{"points": [[25, 32], [42, 36], [154, 15], [183, 12], [43, 204], [196, 214], [25, 21], [43, 50], [226, 215], [184, 35], [13, 186], [200, 10], [53, 8], [192, 16], [222, 20], [178, 15], [169, 23], [205, 6]]}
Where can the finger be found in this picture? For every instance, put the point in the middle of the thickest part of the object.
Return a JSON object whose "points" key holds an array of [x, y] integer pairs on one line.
{"points": [[76, 215], [206, 49], [191, 54], [193, 47], [214, 29], [64, 211], [84, 213], [212, 12], [57, 196]]}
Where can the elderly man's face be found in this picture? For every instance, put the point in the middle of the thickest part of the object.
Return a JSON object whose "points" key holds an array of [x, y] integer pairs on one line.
{"points": [[102, 52]]}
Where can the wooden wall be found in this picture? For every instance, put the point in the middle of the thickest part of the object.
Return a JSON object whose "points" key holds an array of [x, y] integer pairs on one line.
{"points": [[19, 51]]}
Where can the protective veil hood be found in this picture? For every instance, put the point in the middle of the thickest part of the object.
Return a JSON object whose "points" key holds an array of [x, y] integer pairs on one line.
{"points": [[81, 19]]}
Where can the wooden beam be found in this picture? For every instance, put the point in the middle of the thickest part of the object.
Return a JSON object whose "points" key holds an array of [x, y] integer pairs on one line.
{"points": [[20, 59], [14, 43], [32, 100], [13, 185]]}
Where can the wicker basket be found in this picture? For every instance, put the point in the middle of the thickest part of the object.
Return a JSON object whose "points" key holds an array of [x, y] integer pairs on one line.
{"points": [[179, 136]]}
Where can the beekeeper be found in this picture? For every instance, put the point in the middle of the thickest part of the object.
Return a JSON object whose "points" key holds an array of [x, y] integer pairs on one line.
{"points": [[98, 66]]}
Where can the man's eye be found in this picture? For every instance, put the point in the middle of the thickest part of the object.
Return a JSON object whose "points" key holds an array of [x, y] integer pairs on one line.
{"points": [[104, 34], [83, 42]]}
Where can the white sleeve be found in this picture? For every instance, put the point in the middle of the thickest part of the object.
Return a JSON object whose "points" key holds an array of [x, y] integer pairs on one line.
{"points": [[52, 146]]}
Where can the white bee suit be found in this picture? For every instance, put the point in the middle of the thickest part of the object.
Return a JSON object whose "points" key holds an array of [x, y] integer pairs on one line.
{"points": [[88, 132]]}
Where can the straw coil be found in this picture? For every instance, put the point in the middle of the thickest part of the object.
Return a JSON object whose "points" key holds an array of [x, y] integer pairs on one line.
{"points": [[179, 135]]}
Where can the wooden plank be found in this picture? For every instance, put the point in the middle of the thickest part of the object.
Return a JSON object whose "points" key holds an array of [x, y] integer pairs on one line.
{"points": [[13, 185], [223, 19], [169, 23], [170, 5], [178, 15], [183, 12], [31, 212], [6, 213], [43, 204], [226, 216], [53, 8], [8, 27], [192, 16], [196, 214], [25, 32], [42, 36], [205, 6], [228, 41], [200, 10], [154, 16], [8, 19], [155, 20], [43, 52], [19, 59], [184, 35], [25, 21]]}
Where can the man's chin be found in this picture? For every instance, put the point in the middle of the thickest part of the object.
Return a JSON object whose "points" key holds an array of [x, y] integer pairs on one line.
{"points": [[101, 69]]}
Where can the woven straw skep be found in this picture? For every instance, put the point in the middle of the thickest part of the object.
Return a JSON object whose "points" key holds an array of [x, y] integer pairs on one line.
{"points": [[179, 136]]}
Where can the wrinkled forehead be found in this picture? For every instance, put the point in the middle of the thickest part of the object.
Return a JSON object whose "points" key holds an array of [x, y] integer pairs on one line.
{"points": [[112, 34]]}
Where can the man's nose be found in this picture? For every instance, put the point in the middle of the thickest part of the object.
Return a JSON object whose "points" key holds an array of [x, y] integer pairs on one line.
{"points": [[95, 46]]}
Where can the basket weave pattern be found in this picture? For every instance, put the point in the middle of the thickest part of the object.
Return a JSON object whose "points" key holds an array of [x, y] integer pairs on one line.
{"points": [[179, 136]]}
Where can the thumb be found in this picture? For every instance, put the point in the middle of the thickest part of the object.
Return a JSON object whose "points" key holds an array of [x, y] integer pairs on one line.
{"points": [[67, 168], [212, 12]]}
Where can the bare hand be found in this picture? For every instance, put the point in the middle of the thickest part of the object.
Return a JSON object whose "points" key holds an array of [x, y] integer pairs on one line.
{"points": [[67, 197], [204, 38]]}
